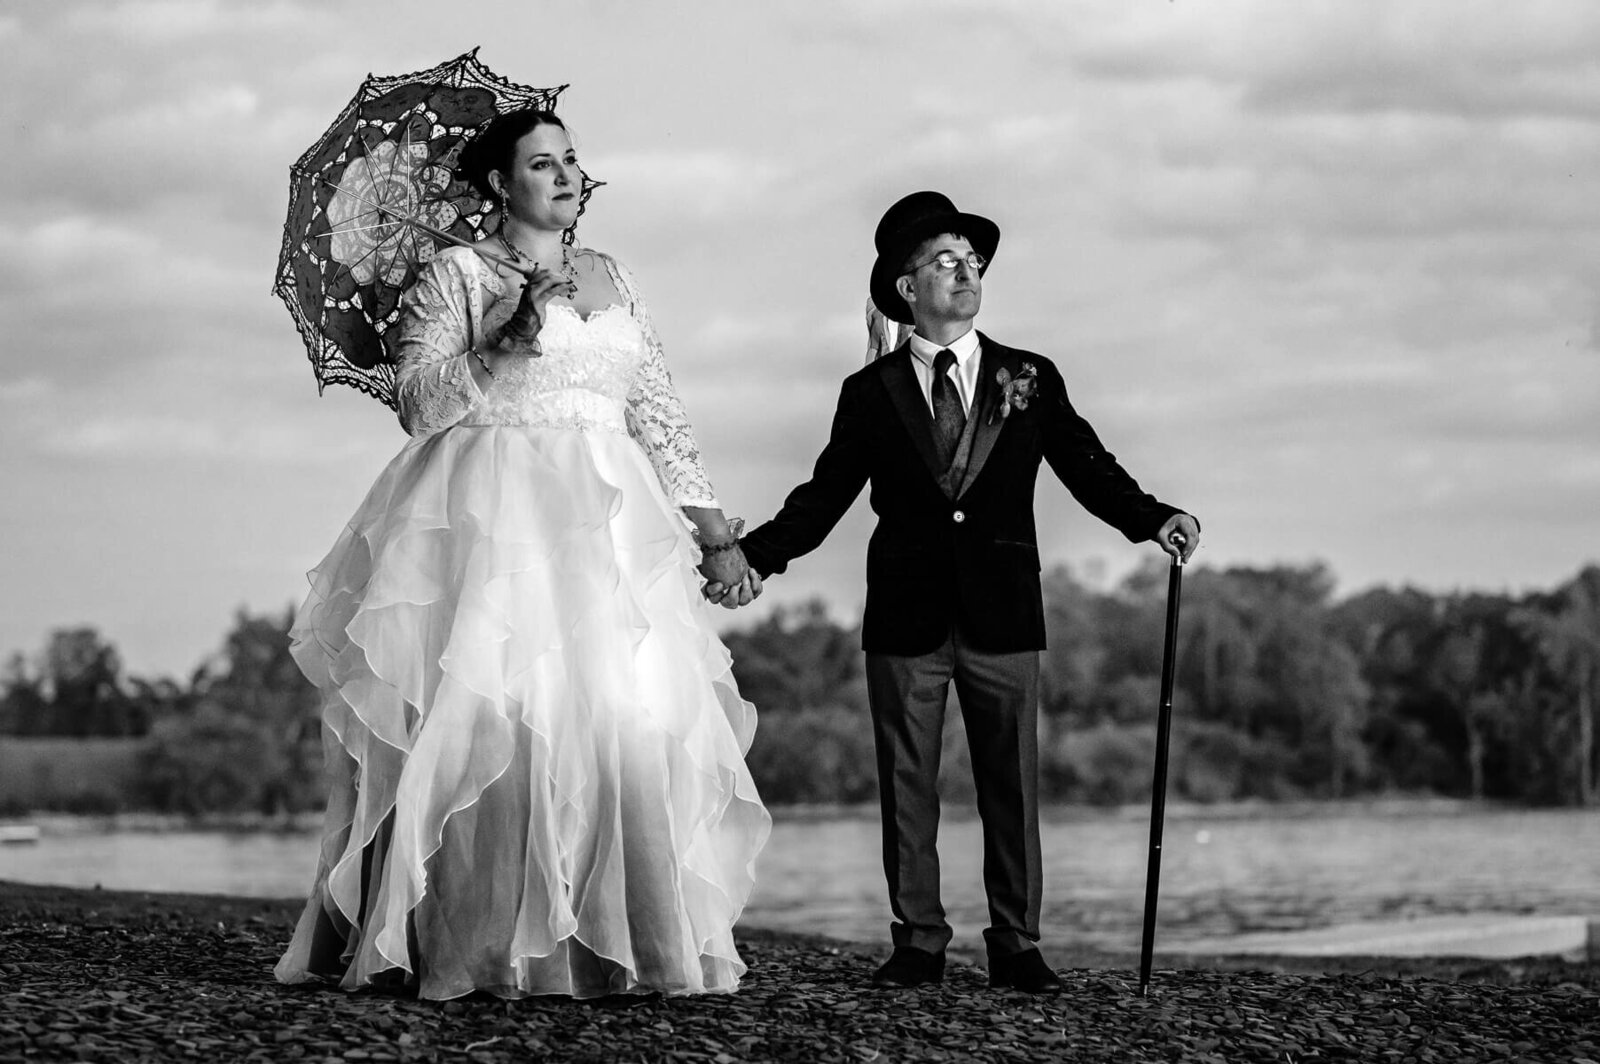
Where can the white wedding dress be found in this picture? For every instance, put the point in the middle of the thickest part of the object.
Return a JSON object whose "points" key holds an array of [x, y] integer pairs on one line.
{"points": [[534, 741]]}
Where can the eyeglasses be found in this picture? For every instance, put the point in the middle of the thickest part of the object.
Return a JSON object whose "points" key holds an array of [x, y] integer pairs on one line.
{"points": [[949, 260]]}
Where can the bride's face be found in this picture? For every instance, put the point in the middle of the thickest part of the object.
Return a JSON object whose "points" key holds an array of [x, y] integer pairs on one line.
{"points": [[543, 185]]}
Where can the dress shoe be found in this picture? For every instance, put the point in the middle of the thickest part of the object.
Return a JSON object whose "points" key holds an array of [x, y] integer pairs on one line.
{"points": [[1025, 971], [908, 966]]}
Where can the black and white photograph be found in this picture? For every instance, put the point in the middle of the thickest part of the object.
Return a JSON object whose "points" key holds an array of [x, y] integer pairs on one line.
{"points": [[846, 532]]}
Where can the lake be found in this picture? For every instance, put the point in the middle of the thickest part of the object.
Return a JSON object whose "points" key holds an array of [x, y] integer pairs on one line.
{"points": [[1225, 871]]}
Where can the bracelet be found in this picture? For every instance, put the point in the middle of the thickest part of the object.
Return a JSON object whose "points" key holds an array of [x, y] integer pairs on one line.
{"points": [[735, 531], [483, 362]]}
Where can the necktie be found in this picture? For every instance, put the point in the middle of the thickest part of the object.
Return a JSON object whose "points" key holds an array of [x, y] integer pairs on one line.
{"points": [[949, 419]]}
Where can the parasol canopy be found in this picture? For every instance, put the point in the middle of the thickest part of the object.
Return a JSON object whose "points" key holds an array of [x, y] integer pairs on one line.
{"points": [[373, 198]]}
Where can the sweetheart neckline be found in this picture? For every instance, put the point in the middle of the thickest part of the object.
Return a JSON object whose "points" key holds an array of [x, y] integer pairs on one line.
{"points": [[586, 318]]}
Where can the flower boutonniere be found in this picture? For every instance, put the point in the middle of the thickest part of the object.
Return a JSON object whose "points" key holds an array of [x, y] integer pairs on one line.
{"points": [[1016, 392]]}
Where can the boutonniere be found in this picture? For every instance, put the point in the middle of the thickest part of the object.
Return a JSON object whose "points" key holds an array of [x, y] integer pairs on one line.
{"points": [[1016, 392]]}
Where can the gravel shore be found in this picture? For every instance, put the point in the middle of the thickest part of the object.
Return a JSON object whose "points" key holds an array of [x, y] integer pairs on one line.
{"points": [[107, 976]]}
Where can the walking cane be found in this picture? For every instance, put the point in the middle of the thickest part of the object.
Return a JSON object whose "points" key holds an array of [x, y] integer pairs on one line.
{"points": [[1158, 788]]}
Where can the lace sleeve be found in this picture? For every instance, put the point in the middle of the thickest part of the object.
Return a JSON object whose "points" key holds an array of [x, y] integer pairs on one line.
{"points": [[656, 418], [434, 386]]}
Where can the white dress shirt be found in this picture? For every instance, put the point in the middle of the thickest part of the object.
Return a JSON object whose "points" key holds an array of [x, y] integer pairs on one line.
{"points": [[964, 372]]}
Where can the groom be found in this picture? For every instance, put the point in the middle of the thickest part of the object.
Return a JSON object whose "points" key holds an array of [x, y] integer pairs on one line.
{"points": [[949, 429]]}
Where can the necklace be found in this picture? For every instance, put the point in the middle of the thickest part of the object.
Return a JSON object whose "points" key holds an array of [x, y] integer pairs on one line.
{"points": [[568, 270]]}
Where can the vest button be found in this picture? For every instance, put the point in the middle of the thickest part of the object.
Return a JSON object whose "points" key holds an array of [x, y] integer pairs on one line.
{"points": [[958, 517]]}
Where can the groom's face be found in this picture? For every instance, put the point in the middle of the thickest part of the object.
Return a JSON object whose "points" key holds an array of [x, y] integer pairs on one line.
{"points": [[938, 295]]}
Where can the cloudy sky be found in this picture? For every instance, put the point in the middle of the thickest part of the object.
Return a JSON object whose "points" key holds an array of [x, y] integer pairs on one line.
{"points": [[1327, 274]]}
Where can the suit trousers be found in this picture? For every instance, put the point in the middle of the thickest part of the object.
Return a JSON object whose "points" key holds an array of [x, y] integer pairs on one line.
{"points": [[999, 695]]}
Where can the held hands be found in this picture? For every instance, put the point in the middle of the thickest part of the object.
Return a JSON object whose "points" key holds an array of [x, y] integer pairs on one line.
{"points": [[1184, 526], [732, 597], [730, 582]]}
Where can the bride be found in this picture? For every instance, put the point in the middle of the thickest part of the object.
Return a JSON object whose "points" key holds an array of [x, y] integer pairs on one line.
{"points": [[534, 741]]}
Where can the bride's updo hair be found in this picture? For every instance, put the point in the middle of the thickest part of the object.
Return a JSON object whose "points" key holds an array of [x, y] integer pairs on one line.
{"points": [[496, 147]]}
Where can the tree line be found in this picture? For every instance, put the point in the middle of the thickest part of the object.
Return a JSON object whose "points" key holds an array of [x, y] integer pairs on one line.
{"points": [[1282, 691]]}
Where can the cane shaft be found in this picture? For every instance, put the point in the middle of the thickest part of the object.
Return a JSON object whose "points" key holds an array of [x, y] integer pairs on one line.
{"points": [[1158, 786]]}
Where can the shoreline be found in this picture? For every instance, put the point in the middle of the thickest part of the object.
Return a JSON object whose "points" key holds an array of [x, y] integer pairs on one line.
{"points": [[1060, 812], [124, 976], [1213, 908]]}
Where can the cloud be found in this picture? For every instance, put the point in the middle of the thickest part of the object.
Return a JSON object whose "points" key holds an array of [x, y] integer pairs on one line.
{"points": [[148, 23], [1323, 273], [25, 390], [1434, 56], [691, 184]]}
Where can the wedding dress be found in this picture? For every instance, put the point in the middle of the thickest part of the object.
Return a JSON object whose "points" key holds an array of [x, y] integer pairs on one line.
{"points": [[534, 740]]}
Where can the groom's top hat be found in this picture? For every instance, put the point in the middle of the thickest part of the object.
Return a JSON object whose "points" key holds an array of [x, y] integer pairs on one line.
{"points": [[908, 223]]}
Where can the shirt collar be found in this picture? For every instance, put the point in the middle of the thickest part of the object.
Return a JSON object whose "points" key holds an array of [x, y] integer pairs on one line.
{"points": [[963, 347]]}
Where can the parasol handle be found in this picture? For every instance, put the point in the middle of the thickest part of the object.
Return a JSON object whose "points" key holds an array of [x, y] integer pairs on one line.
{"points": [[451, 238]]}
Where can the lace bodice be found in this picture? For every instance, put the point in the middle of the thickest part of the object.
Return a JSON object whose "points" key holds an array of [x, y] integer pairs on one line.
{"points": [[581, 382], [605, 373]]}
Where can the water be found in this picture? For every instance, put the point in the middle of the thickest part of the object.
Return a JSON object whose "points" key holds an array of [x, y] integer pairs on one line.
{"points": [[1224, 872]]}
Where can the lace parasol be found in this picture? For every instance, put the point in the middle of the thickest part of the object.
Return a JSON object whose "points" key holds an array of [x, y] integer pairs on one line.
{"points": [[372, 199]]}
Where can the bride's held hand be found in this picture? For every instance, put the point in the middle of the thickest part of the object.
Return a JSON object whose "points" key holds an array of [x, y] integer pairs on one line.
{"points": [[731, 597], [727, 575]]}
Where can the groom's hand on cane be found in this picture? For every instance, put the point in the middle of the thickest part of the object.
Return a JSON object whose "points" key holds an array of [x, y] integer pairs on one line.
{"points": [[1180, 536]]}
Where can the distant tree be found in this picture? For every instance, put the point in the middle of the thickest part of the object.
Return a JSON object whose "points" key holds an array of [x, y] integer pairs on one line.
{"points": [[1458, 669], [1074, 661], [1319, 680], [1107, 764], [24, 709], [75, 688], [1566, 629], [799, 658], [1102, 661], [1260, 655], [246, 735], [1220, 648], [211, 761], [261, 683], [82, 675], [1281, 692], [258, 678], [814, 755], [157, 699], [1387, 630], [1412, 735]]}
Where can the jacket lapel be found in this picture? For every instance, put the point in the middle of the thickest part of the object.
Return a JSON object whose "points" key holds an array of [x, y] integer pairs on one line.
{"points": [[994, 357], [906, 394]]}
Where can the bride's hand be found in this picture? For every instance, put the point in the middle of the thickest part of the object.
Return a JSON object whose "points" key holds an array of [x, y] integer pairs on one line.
{"points": [[522, 329]]}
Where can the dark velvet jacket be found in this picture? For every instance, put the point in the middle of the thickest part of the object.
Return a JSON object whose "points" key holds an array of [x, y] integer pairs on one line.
{"points": [[952, 547]]}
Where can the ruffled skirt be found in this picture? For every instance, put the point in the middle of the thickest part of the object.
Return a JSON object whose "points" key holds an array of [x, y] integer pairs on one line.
{"points": [[534, 741]]}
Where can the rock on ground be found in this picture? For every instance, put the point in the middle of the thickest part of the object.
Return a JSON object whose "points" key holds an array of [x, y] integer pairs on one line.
{"points": [[107, 976]]}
